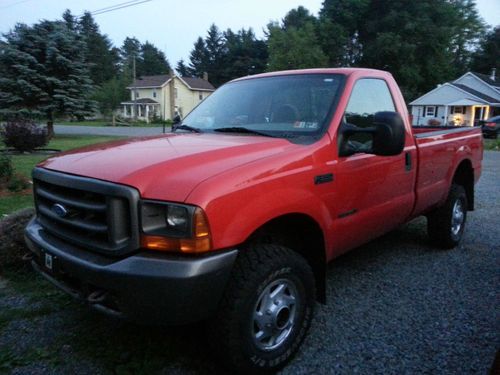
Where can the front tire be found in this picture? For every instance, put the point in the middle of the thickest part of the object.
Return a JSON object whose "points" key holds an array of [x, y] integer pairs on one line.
{"points": [[266, 310], [446, 224]]}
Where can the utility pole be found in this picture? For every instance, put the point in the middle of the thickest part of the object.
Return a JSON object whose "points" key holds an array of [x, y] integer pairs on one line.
{"points": [[134, 88]]}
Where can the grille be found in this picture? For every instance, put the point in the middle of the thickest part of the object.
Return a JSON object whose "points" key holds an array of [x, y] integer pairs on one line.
{"points": [[89, 213]]}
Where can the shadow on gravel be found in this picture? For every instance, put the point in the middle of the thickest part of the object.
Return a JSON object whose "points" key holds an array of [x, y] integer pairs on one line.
{"points": [[392, 306]]}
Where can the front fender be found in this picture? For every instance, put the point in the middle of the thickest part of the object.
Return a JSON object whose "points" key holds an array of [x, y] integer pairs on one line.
{"points": [[235, 217]]}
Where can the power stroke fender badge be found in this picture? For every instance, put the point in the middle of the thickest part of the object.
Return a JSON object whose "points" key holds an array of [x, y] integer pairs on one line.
{"points": [[59, 210]]}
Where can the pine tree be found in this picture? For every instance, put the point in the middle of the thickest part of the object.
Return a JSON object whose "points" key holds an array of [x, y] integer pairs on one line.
{"points": [[182, 68], [44, 73], [100, 56], [152, 61], [129, 51], [198, 59], [244, 54]]}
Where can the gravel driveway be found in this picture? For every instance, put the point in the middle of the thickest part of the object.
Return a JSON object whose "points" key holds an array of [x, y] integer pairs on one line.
{"points": [[396, 306]]}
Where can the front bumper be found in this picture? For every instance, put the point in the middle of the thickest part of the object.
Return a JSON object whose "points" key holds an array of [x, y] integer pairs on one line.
{"points": [[145, 287]]}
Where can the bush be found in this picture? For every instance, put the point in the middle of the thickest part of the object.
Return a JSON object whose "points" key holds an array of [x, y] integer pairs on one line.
{"points": [[433, 122], [23, 135], [12, 245], [18, 183], [6, 169]]}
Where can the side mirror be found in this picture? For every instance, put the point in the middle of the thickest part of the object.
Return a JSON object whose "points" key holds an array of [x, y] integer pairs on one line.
{"points": [[389, 136], [386, 136]]}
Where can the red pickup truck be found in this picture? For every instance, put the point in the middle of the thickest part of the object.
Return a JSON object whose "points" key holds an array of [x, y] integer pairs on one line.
{"points": [[233, 217]]}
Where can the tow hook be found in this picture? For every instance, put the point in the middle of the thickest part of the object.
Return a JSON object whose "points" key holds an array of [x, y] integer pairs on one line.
{"points": [[97, 296], [27, 257]]}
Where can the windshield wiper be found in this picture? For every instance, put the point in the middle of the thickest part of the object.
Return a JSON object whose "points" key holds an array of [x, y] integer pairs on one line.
{"points": [[186, 127], [241, 129]]}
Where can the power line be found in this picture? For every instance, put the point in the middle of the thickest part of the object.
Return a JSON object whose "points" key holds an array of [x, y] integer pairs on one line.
{"points": [[14, 4], [113, 6], [125, 6], [116, 7]]}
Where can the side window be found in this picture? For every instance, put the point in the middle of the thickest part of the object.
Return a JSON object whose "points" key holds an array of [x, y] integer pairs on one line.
{"points": [[369, 96]]}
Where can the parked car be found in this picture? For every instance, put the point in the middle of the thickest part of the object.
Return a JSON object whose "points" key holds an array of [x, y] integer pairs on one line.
{"points": [[233, 218], [491, 127]]}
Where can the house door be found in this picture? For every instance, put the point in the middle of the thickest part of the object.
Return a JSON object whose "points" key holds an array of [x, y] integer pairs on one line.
{"points": [[373, 194], [479, 114]]}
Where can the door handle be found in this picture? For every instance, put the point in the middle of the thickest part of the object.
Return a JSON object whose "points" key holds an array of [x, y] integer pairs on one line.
{"points": [[407, 161]]}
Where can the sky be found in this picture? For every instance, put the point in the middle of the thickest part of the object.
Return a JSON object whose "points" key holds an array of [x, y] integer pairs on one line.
{"points": [[173, 26]]}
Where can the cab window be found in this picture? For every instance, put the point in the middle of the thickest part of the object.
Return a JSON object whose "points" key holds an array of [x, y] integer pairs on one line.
{"points": [[369, 96]]}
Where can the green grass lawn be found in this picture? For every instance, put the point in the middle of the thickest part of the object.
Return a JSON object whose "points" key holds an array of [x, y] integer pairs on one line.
{"points": [[84, 123], [492, 144], [23, 164], [103, 123]]}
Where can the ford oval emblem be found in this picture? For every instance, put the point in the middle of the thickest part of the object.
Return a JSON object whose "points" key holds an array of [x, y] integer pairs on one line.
{"points": [[59, 210]]}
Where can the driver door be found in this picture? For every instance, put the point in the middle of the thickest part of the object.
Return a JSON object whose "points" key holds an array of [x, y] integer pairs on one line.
{"points": [[374, 194]]}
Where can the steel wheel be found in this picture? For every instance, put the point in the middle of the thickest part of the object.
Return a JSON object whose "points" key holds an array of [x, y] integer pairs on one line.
{"points": [[274, 314], [457, 217]]}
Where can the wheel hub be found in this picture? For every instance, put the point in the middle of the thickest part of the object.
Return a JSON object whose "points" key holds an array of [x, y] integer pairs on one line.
{"points": [[457, 217], [274, 314]]}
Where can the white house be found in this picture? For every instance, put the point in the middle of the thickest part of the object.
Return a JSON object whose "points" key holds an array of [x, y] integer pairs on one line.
{"points": [[164, 96], [463, 102]]}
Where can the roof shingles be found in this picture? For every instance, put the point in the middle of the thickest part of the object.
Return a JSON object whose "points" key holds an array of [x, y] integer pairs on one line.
{"points": [[486, 78], [161, 79], [476, 93]]}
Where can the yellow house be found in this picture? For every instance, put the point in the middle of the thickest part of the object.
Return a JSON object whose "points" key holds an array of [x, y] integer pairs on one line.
{"points": [[164, 96]]}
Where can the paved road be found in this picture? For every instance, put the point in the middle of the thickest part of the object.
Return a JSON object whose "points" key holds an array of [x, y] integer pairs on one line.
{"points": [[108, 130], [396, 306]]}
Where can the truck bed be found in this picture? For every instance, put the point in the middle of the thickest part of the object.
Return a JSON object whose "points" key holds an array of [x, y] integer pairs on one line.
{"points": [[440, 150]]}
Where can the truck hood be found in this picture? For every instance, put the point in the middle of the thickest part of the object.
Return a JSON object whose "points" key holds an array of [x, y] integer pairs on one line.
{"points": [[166, 167]]}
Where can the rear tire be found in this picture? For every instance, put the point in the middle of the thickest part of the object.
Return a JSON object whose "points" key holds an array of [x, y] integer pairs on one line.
{"points": [[266, 311], [446, 224]]}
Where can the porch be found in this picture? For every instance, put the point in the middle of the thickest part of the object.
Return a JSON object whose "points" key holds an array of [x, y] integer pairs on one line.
{"points": [[466, 112], [142, 109]]}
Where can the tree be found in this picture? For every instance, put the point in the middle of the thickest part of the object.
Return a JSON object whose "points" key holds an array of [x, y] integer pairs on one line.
{"points": [[70, 20], [339, 24], [244, 54], [43, 72], [487, 55], [421, 42], [100, 55], [149, 60], [152, 61], [468, 29], [182, 68], [198, 58], [298, 18], [111, 93], [227, 55], [294, 44]]}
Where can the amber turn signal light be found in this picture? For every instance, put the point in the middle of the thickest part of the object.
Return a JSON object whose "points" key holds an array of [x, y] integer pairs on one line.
{"points": [[199, 243]]}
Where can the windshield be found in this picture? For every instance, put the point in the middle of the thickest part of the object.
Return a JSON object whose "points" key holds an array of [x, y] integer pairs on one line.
{"points": [[281, 106]]}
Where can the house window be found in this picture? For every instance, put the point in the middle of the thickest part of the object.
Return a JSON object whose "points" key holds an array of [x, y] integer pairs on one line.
{"points": [[200, 96], [136, 94], [430, 111], [176, 93], [154, 94], [460, 110]]}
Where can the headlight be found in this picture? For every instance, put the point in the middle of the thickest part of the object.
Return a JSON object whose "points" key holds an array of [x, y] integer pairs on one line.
{"points": [[174, 227]]}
